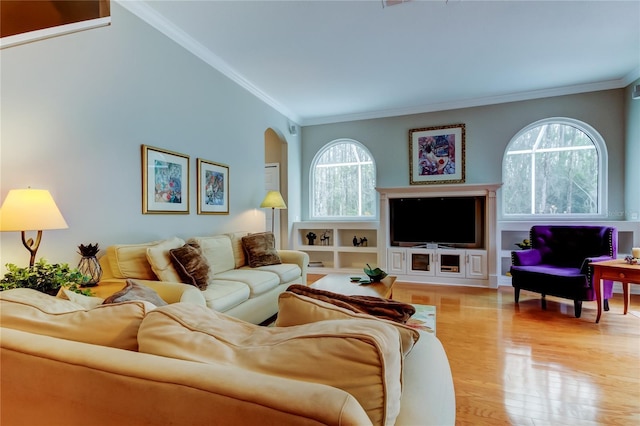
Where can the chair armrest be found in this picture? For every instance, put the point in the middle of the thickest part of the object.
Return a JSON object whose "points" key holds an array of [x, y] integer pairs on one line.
{"points": [[587, 269], [170, 292], [526, 257], [299, 258]]}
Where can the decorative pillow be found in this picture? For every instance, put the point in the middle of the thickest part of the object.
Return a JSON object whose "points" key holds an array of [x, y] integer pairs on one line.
{"points": [[87, 302], [261, 249], [130, 261], [238, 251], [160, 261], [134, 291], [113, 325], [191, 265], [361, 357], [297, 309]]}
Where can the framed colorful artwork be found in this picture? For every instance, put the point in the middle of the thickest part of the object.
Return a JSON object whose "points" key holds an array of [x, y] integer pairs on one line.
{"points": [[436, 155], [213, 187], [165, 181]]}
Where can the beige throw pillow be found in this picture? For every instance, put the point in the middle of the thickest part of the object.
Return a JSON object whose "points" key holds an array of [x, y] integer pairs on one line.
{"points": [[160, 260], [360, 357], [191, 265], [261, 249]]}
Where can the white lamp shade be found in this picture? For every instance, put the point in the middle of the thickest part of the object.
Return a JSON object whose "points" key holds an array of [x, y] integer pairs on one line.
{"points": [[30, 210], [274, 200]]}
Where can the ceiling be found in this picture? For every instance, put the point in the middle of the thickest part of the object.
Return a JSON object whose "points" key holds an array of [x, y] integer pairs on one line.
{"points": [[330, 61]]}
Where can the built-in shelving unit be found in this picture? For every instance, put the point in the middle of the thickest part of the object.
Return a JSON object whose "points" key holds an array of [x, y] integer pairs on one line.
{"points": [[333, 248], [512, 232], [438, 264]]}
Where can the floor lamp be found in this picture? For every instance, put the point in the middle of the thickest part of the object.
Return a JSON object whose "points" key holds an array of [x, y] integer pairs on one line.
{"points": [[274, 200], [30, 210]]}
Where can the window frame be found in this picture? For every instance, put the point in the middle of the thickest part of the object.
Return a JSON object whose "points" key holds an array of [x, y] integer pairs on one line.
{"points": [[374, 217], [603, 161]]}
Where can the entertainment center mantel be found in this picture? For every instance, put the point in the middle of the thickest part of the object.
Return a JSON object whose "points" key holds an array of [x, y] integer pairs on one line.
{"points": [[441, 234]]}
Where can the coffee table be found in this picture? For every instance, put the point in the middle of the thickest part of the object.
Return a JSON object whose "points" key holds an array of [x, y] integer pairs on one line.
{"points": [[341, 283]]}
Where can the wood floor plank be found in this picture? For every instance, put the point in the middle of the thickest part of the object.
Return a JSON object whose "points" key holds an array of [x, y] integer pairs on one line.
{"points": [[517, 364]]}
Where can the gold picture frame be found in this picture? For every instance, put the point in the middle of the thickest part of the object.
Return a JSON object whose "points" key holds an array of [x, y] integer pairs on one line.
{"points": [[213, 187], [165, 181], [437, 155]]}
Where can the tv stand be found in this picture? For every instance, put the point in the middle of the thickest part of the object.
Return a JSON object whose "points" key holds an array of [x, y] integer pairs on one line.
{"points": [[436, 263]]}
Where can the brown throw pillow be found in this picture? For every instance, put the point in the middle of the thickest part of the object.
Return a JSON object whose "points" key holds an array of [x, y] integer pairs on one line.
{"points": [[191, 265], [261, 249], [134, 291]]}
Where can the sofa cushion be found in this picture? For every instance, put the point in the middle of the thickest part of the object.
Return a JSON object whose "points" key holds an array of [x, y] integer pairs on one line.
{"points": [[218, 252], [287, 272], [130, 261], [296, 309], [135, 291], [222, 295], [361, 357], [260, 249], [258, 281], [191, 265], [238, 250], [160, 260], [113, 325]]}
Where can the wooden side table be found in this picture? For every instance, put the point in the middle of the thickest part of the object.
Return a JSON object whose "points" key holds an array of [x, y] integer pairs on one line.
{"points": [[615, 270]]}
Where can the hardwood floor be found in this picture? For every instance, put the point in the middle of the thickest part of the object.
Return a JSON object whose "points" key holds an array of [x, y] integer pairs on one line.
{"points": [[517, 364], [520, 365]]}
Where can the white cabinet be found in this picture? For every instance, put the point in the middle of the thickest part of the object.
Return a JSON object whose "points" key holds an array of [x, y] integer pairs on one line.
{"points": [[338, 246], [397, 261], [418, 263]]}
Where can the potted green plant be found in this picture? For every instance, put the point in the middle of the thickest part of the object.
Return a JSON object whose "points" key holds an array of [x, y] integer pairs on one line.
{"points": [[44, 277]]}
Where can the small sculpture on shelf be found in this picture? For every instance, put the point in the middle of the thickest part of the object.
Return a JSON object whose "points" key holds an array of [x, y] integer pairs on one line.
{"points": [[325, 238], [360, 242], [311, 237]]}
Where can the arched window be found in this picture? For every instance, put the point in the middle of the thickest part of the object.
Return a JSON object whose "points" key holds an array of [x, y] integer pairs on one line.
{"points": [[556, 168], [343, 182]]}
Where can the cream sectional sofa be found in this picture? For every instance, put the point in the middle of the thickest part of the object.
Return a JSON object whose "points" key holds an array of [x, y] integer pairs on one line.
{"points": [[132, 363], [235, 288]]}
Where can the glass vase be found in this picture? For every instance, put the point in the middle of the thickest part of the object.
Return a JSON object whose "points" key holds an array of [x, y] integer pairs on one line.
{"points": [[90, 267]]}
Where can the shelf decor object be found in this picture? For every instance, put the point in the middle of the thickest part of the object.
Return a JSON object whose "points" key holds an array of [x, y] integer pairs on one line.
{"points": [[165, 181], [274, 200], [30, 210], [89, 265], [436, 155], [213, 187]]}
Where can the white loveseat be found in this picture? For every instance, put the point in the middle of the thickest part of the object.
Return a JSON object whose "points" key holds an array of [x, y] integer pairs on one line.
{"points": [[234, 288]]}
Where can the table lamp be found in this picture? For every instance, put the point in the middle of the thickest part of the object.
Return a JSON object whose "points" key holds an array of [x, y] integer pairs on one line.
{"points": [[274, 200], [30, 210]]}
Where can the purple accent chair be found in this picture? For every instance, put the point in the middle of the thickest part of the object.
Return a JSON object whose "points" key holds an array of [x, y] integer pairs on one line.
{"points": [[557, 263]]}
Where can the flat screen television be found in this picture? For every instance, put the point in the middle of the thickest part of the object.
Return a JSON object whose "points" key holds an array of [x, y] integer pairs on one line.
{"points": [[456, 222]]}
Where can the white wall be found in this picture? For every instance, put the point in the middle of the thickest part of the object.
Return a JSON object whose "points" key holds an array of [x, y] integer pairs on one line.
{"points": [[75, 110]]}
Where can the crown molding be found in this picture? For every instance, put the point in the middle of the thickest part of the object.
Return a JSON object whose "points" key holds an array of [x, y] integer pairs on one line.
{"points": [[469, 103]]}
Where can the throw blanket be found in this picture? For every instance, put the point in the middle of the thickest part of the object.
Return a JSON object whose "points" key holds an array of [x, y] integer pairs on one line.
{"points": [[376, 306]]}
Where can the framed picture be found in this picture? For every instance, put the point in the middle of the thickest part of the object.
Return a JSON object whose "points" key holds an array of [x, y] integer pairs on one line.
{"points": [[213, 187], [436, 155], [165, 181]]}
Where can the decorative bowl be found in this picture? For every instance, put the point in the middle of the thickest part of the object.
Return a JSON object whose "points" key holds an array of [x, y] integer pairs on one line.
{"points": [[376, 274]]}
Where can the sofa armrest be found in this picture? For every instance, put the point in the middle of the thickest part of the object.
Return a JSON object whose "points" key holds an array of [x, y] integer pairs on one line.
{"points": [[526, 257], [299, 258], [169, 292]]}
